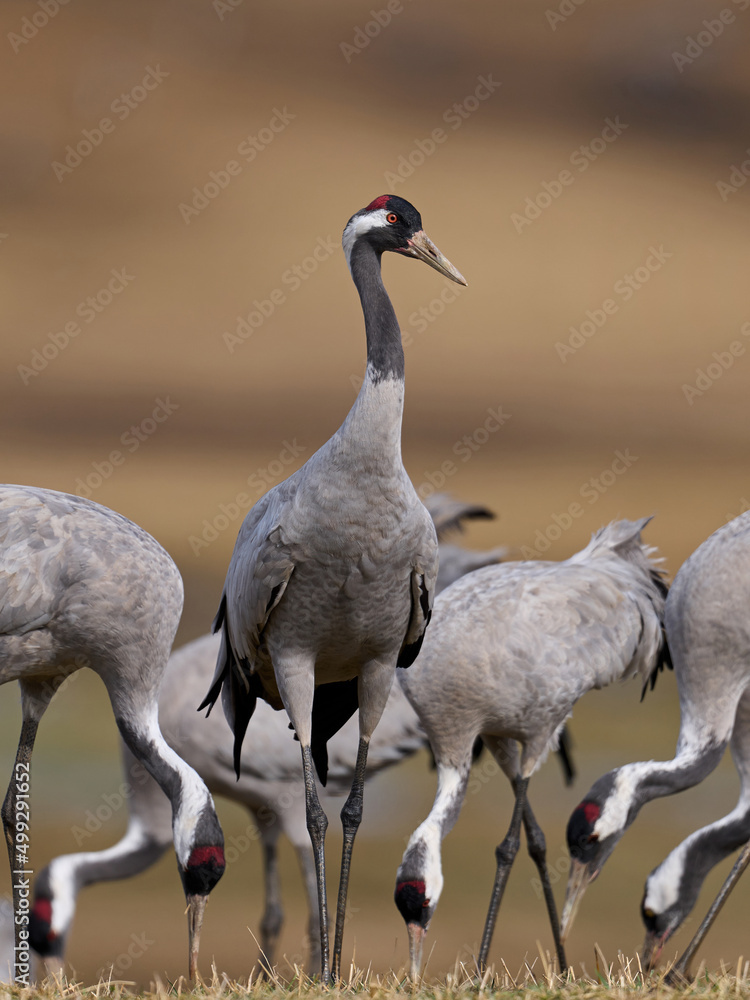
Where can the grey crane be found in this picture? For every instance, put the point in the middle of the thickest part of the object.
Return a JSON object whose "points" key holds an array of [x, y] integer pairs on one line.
{"points": [[331, 580], [708, 637], [268, 787], [82, 586], [707, 631], [510, 650]]}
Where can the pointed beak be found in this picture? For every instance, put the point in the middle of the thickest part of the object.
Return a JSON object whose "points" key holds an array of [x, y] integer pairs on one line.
{"points": [[578, 881], [53, 966], [422, 247], [416, 939], [195, 910], [652, 949]]}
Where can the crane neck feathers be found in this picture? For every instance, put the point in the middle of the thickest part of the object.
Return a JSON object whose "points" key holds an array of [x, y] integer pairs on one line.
{"points": [[385, 353]]}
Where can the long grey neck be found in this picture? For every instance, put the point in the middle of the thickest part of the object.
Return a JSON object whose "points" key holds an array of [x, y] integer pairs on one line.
{"points": [[385, 354], [655, 779], [709, 846]]}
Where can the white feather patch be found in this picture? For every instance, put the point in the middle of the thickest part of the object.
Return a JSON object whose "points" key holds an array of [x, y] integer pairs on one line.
{"points": [[360, 225]]}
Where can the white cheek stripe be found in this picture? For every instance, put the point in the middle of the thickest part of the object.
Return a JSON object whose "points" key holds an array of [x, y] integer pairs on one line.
{"points": [[360, 225]]}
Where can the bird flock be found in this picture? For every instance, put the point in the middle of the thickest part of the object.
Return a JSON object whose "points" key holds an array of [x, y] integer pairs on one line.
{"points": [[347, 618]]}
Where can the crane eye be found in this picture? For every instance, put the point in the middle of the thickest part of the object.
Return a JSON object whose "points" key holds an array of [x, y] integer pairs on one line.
{"points": [[392, 217]]}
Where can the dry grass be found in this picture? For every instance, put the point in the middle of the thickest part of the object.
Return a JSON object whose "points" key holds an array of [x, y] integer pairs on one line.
{"points": [[536, 981]]}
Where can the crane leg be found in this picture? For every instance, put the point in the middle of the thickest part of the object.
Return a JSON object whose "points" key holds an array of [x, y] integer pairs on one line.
{"points": [[538, 854], [317, 824], [351, 817], [15, 814], [679, 972], [505, 854], [273, 913]]}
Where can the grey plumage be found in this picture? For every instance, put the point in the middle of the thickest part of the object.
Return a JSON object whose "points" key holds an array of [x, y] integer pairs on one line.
{"points": [[82, 586], [707, 631], [510, 650], [269, 785], [331, 580]]}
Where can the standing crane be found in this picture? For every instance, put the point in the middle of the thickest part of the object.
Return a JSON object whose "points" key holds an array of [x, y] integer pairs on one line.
{"points": [[709, 637], [81, 586], [710, 645], [268, 785], [510, 650], [331, 581]]}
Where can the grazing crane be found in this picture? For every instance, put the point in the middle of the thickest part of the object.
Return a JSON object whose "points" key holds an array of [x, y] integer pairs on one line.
{"points": [[331, 581], [269, 785], [708, 634], [82, 586], [510, 650], [708, 637]]}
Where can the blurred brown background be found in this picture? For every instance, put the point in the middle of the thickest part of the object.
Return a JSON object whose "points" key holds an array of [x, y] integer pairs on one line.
{"points": [[323, 124]]}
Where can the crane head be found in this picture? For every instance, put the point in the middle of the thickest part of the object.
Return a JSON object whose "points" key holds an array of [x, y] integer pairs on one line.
{"points": [[204, 868], [417, 908], [48, 943], [392, 223], [594, 829], [670, 894]]}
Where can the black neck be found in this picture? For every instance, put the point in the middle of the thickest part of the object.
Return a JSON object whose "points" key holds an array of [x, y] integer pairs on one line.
{"points": [[385, 355], [710, 846]]}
